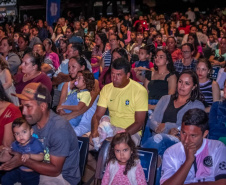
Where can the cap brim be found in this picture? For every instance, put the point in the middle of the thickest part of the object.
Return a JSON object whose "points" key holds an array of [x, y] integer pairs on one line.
{"points": [[21, 96]]}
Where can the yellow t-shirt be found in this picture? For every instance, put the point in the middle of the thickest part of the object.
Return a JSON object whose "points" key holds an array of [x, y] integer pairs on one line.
{"points": [[122, 103], [84, 97]]}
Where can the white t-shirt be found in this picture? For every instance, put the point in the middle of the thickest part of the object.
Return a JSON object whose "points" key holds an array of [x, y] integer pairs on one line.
{"points": [[210, 162]]}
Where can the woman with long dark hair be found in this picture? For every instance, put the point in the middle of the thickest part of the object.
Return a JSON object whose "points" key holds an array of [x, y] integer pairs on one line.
{"points": [[166, 120]]}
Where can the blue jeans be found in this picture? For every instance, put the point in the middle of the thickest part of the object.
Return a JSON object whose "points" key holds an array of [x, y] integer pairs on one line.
{"points": [[17, 175], [160, 142]]}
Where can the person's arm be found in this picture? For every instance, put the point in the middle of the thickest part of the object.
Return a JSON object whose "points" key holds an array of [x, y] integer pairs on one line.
{"points": [[93, 94], [100, 111], [36, 157], [215, 62], [45, 68], [8, 135], [179, 177], [61, 77], [138, 124], [72, 107], [53, 169], [215, 91], [63, 94], [172, 84], [8, 80], [197, 56]]}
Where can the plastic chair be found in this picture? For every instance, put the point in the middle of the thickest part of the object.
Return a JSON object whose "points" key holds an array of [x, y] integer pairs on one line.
{"points": [[148, 158]]}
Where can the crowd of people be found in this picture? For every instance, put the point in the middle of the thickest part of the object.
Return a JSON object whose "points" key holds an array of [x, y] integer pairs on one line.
{"points": [[154, 81]]}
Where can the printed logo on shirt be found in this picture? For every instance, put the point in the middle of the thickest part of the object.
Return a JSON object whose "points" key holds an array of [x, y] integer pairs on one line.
{"points": [[207, 161], [222, 165], [127, 102]]}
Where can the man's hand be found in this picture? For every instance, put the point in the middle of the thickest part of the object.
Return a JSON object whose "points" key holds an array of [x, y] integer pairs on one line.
{"points": [[5, 155], [190, 150], [12, 163]]}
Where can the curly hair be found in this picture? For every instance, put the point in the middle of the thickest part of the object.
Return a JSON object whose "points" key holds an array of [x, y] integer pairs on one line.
{"points": [[88, 79], [123, 138]]}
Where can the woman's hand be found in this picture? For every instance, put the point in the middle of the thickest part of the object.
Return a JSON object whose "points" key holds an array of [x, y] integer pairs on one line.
{"points": [[160, 128], [60, 110]]}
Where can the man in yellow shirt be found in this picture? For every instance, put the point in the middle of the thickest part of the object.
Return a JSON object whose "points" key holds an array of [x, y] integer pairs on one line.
{"points": [[126, 100]]}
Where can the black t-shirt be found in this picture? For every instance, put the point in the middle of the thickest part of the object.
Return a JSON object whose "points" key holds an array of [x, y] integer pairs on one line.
{"points": [[170, 114]]}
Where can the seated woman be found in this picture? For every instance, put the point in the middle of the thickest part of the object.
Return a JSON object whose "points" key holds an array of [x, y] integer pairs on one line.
{"points": [[175, 52], [7, 81], [83, 126], [8, 50], [31, 72], [51, 52], [166, 120], [192, 38], [217, 119], [161, 81], [210, 89]]}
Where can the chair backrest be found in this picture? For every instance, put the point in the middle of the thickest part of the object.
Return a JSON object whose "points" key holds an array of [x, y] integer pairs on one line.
{"points": [[102, 159], [148, 158], [83, 143]]}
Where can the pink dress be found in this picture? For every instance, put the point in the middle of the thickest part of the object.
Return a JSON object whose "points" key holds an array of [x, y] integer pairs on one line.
{"points": [[121, 179]]}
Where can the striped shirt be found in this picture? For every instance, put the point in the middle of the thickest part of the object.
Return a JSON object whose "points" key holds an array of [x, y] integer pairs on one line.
{"points": [[206, 89], [107, 58]]}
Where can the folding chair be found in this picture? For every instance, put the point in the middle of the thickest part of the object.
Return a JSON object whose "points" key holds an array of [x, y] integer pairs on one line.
{"points": [[148, 158], [101, 162], [83, 143]]}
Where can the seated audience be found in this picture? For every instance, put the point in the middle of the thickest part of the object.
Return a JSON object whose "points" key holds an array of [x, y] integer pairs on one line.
{"points": [[171, 46]]}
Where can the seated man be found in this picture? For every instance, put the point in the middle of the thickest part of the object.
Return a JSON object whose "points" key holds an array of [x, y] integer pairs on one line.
{"points": [[126, 100], [61, 151], [195, 160]]}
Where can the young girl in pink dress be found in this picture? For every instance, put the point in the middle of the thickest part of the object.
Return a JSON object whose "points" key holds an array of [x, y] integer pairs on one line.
{"points": [[123, 166]]}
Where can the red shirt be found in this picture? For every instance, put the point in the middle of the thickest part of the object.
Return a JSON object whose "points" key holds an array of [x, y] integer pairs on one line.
{"points": [[9, 115]]}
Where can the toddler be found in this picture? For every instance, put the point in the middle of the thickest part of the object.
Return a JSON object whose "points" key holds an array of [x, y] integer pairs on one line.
{"points": [[123, 166], [79, 97], [30, 148]]}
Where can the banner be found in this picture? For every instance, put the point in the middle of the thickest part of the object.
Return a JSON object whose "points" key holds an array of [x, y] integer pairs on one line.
{"points": [[52, 11]]}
